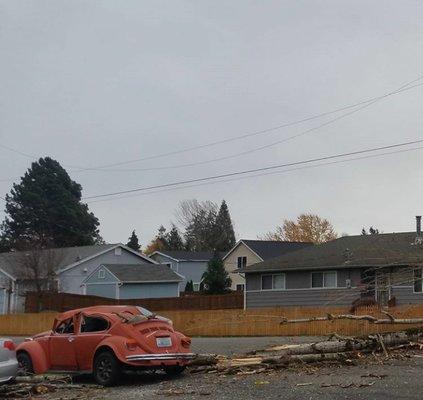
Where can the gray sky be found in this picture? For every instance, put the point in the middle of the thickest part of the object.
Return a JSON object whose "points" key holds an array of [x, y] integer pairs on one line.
{"points": [[91, 83]]}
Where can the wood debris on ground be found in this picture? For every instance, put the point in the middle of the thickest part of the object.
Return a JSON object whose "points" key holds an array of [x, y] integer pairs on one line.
{"points": [[29, 386], [345, 350]]}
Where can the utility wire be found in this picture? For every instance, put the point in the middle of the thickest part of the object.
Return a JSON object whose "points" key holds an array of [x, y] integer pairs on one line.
{"points": [[258, 175], [253, 150], [243, 153], [213, 177], [401, 89]]}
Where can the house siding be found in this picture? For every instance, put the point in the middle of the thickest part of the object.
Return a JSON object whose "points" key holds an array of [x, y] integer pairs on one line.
{"points": [[70, 281], [231, 263], [103, 290], [298, 291], [190, 270], [108, 277], [405, 295], [148, 290], [5, 285], [301, 297]]}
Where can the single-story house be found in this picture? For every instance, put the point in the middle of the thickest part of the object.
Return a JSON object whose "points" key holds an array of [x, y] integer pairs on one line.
{"points": [[385, 267], [132, 281], [247, 252], [190, 264], [70, 265]]}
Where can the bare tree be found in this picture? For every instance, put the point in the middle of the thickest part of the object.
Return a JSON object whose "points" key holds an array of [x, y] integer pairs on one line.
{"points": [[188, 210], [37, 268]]}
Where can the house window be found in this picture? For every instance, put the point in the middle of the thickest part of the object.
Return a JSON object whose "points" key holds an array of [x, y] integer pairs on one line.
{"points": [[242, 262], [323, 279], [118, 251], [101, 274], [273, 282], [240, 287], [196, 287], [418, 286]]}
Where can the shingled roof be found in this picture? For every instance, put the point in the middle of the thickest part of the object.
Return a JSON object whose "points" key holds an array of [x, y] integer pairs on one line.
{"points": [[350, 251], [266, 249], [143, 273], [183, 255], [11, 262]]}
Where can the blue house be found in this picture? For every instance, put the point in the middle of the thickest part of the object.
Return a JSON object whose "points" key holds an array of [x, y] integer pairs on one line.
{"points": [[133, 281], [70, 267], [190, 264]]}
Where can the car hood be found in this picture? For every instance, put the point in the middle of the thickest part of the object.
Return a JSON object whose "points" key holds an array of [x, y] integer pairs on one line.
{"points": [[42, 334]]}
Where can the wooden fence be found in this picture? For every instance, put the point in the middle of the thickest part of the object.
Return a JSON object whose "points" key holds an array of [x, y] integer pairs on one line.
{"points": [[65, 301], [259, 322]]}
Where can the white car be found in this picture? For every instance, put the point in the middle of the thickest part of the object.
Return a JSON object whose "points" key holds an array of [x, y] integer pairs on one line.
{"points": [[8, 362]]}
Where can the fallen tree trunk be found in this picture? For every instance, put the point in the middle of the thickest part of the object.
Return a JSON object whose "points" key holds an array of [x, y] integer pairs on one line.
{"points": [[277, 356], [369, 318]]}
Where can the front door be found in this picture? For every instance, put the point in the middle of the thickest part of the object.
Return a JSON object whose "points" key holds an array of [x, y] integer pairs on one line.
{"points": [[61, 346]]}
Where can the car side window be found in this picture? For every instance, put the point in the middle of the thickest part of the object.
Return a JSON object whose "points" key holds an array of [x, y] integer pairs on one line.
{"points": [[65, 327], [93, 324]]}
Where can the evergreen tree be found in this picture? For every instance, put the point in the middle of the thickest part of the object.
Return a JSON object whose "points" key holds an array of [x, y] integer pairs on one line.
{"points": [[224, 230], [174, 240], [216, 279], [46, 208], [133, 242], [189, 287]]}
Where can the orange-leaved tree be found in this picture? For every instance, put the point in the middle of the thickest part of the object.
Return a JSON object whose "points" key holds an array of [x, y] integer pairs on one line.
{"points": [[307, 228]]}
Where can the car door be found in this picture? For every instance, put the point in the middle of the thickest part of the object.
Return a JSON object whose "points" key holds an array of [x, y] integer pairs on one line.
{"points": [[93, 329], [61, 346]]}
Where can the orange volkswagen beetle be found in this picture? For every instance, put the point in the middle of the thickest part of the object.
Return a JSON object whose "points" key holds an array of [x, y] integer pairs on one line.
{"points": [[105, 341]]}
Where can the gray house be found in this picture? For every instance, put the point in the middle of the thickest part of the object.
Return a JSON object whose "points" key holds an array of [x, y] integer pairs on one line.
{"points": [[132, 281], [190, 264], [70, 267], [383, 267]]}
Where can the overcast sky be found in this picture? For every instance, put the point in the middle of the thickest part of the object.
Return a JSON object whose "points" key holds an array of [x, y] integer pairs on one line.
{"points": [[92, 83]]}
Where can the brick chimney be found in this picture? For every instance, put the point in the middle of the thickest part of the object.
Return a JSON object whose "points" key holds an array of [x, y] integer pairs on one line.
{"points": [[419, 225]]}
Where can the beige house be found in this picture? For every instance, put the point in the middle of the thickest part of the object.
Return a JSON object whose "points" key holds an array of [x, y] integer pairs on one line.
{"points": [[248, 252]]}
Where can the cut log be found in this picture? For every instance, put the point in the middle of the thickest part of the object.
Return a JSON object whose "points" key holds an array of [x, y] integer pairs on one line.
{"points": [[280, 356], [369, 318]]}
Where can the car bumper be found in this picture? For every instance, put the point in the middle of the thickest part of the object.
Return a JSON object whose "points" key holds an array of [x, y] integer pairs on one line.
{"points": [[161, 357], [8, 370]]}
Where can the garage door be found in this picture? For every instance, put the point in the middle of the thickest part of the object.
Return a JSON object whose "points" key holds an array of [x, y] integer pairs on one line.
{"points": [[2, 300], [103, 290]]}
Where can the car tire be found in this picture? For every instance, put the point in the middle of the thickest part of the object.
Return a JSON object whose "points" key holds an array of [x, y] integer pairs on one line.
{"points": [[174, 370], [107, 369], [25, 364]]}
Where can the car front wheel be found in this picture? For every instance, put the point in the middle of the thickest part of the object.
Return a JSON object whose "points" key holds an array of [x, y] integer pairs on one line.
{"points": [[25, 364], [107, 369]]}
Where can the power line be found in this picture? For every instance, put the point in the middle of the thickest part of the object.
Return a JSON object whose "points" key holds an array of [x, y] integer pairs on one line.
{"points": [[258, 175], [250, 151], [367, 103], [213, 177]]}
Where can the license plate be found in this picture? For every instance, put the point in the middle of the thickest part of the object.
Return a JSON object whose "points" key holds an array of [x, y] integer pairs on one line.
{"points": [[164, 342]]}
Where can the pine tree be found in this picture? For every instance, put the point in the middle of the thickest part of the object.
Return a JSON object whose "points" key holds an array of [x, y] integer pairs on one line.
{"points": [[174, 240], [216, 279], [133, 242], [224, 230], [46, 208], [189, 287]]}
